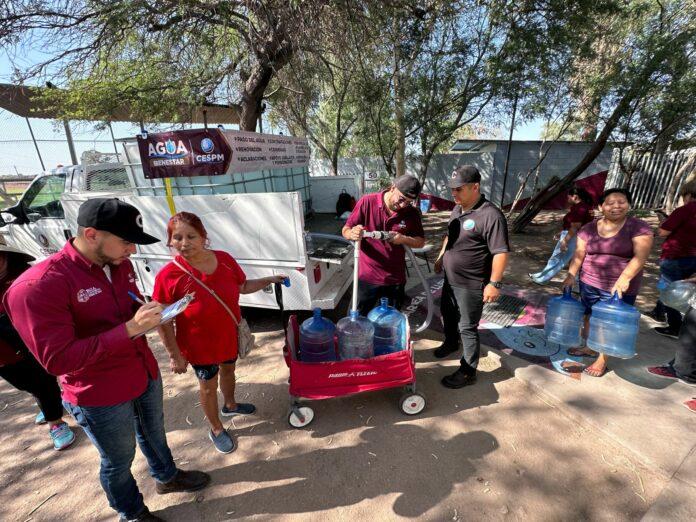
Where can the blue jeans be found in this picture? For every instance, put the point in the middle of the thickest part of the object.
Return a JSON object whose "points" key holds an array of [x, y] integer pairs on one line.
{"points": [[557, 260], [114, 430], [675, 270]]}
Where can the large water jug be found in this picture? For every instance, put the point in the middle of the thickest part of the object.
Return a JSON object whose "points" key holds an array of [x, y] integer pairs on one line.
{"points": [[390, 328], [677, 295], [317, 339], [564, 318], [355, 337], [614, 328]]}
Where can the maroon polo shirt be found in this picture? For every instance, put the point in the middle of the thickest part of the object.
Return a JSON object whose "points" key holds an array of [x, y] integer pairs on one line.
{"points": [[682, 240], [579, 213], [382, 263], [72, 318]]}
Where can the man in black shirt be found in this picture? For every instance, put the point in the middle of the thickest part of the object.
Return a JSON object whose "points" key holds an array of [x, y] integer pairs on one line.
{"points": [[474, 254]]}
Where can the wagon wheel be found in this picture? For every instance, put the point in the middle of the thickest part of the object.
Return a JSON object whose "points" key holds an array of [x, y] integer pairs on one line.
{"points": [[300, 416], [412, 403]]}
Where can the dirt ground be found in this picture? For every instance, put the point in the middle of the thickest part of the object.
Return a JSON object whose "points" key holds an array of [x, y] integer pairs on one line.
{"points": [[494, 451]]}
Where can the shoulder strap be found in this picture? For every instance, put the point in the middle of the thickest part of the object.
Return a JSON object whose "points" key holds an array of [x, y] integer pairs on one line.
{"points": [[210, 291]]}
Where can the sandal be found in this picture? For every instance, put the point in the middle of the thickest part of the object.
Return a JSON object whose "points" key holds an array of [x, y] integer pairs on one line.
{"points": [[582, 352], [594, 373]]}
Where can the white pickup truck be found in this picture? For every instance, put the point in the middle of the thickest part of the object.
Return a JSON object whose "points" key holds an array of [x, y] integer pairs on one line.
{"points": [[263, 227]]}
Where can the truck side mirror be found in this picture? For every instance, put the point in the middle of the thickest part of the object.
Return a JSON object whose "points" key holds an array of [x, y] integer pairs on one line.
{"points": [[33, 217], [6, 218]]}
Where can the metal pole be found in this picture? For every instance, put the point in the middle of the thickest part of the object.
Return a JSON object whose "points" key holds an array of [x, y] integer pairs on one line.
{"points": [[509, 146], [113, 140], [36, 145], [71, 145]]}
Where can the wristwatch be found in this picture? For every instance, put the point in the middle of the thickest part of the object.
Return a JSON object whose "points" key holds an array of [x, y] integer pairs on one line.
{"points": [[496, 284]]}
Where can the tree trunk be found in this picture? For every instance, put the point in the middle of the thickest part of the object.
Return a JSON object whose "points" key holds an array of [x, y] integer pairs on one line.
{"points": [[399, 118], [553, 189]]}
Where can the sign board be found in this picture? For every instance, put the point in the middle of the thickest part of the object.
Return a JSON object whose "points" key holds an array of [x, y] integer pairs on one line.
{"points": [[212, 152], [253, 151], [197, 152]]}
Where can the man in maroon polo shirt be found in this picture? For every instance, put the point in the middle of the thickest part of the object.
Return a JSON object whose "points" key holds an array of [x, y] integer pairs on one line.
{"points": [[382, 267], [74, 313]]}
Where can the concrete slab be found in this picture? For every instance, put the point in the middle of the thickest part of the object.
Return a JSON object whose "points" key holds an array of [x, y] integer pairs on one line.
{"points": [[641, 412], [677, 503]]}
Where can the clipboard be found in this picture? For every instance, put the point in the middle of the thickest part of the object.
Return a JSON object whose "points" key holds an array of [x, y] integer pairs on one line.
{"points": [[170, 312]]}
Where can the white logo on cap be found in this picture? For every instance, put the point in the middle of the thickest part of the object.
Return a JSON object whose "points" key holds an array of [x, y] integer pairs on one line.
{"points": [[139, 221]]}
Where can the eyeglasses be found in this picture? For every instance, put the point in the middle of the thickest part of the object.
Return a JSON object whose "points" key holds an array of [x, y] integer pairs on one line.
{"points": [[403, 200]]}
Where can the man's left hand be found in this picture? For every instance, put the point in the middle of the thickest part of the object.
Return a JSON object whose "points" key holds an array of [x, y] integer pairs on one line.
{"points": [[490, 294]]}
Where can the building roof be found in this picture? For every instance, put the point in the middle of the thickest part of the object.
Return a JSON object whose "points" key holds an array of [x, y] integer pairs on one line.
{"points": [[25, 101]]}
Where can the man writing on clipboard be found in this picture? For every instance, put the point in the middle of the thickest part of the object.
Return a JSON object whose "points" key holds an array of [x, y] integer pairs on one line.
{"points": [[74, 312]]}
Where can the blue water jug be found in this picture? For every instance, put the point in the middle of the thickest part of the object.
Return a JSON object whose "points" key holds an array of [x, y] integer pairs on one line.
{"points": [[317, 339], [564, 318], [678, 295], [355, 337], [390, 328], [614, 328]]}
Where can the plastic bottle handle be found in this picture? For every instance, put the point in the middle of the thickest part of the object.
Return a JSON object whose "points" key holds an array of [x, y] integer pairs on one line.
{"points": [[616, 296]]}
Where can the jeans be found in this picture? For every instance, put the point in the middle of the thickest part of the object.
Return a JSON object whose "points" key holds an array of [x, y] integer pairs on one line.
{"points": [[675, 270], [591, 295], [370, 294], [557, 260], [461, 310], [114, 430], [684, 362]]}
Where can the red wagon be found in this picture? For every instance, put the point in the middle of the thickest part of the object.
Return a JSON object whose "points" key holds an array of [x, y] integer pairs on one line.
{"points": [[335, 379]]}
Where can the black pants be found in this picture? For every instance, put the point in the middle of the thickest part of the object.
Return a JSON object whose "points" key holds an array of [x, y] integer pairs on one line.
{"points": [[369, 296], [461, 310], [29, 376], [684, 362]]}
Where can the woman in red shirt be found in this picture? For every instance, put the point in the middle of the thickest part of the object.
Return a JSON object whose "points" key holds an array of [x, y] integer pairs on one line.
{"points": [[205, 335]]}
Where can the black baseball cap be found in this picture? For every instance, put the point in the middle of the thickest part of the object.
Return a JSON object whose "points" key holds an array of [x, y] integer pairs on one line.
{"points": [[114, 216], [408, 185], [463, 175]]}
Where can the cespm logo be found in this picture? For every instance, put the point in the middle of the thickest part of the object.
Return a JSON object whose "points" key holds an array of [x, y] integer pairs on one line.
{"points": [[168, 149], [207, 145]]}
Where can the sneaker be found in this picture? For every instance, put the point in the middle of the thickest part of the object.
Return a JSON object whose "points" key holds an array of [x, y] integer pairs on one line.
{"points": [[184, 481], [691, 404], [667, 332], [443, 351], [535, 280], [667, 372], [223, 442], [145, 516], [241, 409], [40, 418], [458, 379], [652, 314], [62, 436]]}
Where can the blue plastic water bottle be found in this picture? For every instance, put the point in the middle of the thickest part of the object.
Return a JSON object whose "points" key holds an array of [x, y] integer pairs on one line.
{"points": [[317, 339], [355, 337], [614, 328], [564, 318], [390, 328]]}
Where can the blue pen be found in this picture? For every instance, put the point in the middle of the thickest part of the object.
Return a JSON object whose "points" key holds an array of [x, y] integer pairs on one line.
{"points": [[135, 298]]}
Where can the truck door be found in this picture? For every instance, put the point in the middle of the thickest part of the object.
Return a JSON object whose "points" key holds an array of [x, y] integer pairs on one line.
{"points": [[42, 230]]}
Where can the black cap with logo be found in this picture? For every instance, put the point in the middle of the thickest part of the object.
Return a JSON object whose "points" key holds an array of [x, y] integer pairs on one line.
{"points": [[408, 185], [463, 175], [114, 216]]}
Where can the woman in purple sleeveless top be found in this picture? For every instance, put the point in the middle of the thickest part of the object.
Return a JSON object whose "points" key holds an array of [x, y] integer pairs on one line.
{"points": [[609, 257]]}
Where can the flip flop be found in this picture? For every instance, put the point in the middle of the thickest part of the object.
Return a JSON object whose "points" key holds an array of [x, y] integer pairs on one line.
{"points": [[586, 372], [579, 352]]}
